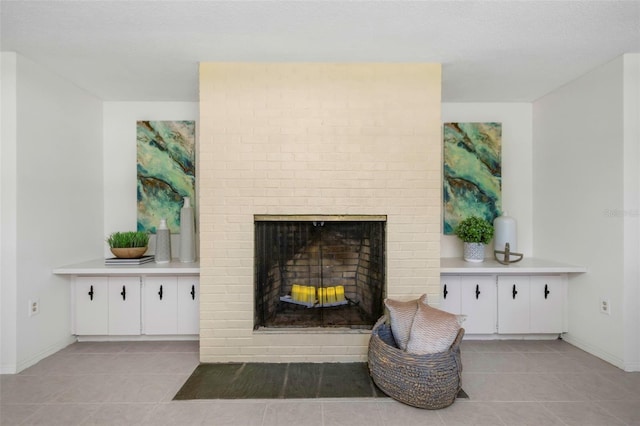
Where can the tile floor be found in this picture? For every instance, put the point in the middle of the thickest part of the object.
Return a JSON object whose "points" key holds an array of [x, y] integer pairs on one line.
{"points": [[132, 383]]}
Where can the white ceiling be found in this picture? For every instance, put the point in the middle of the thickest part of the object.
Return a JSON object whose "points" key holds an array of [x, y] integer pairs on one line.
{"points": [[491, 51]]}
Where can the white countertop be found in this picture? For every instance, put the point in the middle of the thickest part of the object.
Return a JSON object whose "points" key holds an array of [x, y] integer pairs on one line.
{"points": [[454, 265], [448, 265], [97, 267]]}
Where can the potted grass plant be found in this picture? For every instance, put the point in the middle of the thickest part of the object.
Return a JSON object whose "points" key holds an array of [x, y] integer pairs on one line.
{"points": [[128, 245], [475, 232]]}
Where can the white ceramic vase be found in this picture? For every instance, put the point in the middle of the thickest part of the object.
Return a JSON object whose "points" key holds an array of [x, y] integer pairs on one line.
{"points": [[505, 232], [187, 233], [163, 243]]}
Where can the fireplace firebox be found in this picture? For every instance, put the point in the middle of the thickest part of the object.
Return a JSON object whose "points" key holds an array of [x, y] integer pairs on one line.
{"points": [[319, 271]]}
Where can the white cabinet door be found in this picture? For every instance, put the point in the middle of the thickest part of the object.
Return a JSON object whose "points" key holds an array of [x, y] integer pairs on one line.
{"points": [[120, 306], [188, 305], [536, 307], [506, 304], [450, 293], [513, 304], [478, 302], [124, 305], [91, 306], [160, 305], [547, 304]]}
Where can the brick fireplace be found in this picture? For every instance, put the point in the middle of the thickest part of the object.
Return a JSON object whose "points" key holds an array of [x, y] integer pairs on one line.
{"points": [[312, 139]]}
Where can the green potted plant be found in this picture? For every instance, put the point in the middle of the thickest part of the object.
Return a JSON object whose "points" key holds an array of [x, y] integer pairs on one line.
{"points": [[129, 245], [475, 232]]}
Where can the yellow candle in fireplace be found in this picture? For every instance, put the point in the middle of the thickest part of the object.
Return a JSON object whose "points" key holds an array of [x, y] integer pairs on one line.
{"points": [[339, 293], [331, 294], [295, 292]]}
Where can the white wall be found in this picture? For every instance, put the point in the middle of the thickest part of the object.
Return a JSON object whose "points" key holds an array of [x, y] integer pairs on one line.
{"points": [[516, 119], [57, 211], [631, 219], [8, 189], [120, 156], [579, 190]]}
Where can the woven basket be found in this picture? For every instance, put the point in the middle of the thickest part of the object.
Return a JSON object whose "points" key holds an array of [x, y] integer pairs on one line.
{"points": [[428, 381]]}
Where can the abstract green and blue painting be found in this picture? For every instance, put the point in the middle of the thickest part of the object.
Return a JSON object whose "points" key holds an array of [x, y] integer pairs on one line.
{"points": [[472, 172], [166, 171]]}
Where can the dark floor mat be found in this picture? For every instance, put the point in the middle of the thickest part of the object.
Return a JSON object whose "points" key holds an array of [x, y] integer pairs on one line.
{"points": [[275, 380]]}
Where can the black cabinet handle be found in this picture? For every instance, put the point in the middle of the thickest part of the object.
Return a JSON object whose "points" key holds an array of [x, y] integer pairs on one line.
{"points": [[160, 292], [546, 291], [124, 293], [90, 293], [193, 292], [477, 291], [514, 291], [445, 291]]}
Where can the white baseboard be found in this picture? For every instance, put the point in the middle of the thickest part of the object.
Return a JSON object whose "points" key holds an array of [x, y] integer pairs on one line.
{"points": [[602, 354], [496, 336], [8, 369], [139, 338], [632, 366], [16, 368]]}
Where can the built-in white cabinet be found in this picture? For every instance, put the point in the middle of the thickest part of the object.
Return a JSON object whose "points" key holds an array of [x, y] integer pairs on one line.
{"points": [[91, 305], [478, 303], [450, 299], [506, 304], [473, 296], [160, 305], [149, 299], [188, 305], [171, 305], [107, 306], [124, 305], [548, 300], [530, 304], [513, 302]]}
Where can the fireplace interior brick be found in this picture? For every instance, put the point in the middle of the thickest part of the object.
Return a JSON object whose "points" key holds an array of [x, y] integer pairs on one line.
{"points": [[319, 255]]}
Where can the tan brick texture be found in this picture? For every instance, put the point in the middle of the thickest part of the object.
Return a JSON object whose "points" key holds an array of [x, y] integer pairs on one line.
{"points": [[313, 138]]}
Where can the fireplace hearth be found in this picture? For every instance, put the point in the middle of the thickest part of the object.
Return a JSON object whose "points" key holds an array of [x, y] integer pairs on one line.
{"points": [[319, 271]]}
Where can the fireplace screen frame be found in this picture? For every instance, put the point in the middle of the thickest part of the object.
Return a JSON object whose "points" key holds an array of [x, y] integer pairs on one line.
{"points": [[354, 244]]}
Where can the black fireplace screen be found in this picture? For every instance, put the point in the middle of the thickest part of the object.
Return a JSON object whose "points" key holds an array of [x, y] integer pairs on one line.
{"points": [[319, 273]]}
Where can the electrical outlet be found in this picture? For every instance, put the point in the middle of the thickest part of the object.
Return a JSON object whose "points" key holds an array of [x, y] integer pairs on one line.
{"points": [[34, 307], [605, 307]]}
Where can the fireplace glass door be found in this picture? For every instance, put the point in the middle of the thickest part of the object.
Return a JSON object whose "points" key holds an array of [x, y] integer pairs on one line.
{"points": [[319, 273]]}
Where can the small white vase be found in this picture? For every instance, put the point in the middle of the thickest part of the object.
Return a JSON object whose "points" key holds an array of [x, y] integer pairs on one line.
{"points": [[163, 243], [473, 252], [505, 232], [187, 233]]}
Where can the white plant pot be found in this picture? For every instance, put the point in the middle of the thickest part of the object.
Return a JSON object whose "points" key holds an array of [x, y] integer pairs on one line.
{"points": [[474, 252]]}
